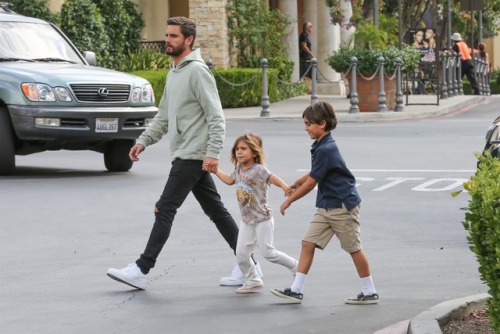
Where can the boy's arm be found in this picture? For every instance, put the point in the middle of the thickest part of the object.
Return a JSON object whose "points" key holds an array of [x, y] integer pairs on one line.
{"points": [[278, 182], [303, 190], [224, 177], [299, 182]]}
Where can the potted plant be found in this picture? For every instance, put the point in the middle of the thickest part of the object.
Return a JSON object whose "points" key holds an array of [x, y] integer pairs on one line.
{"points": [[367, 64]]}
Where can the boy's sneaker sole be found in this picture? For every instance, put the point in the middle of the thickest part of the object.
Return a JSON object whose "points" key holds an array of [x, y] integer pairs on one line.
{"points": [[116, 276], [289, 295], [361, 299]]}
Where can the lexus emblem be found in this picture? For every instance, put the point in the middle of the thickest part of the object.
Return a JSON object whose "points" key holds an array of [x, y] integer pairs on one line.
{"points": [[103, 92]]}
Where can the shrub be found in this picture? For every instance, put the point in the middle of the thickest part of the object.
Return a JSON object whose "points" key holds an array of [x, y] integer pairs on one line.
{"points": [[145, 60], [123, 27], [82, 22], [34, 8], [233, 95], [482, 221], [340, 61]]}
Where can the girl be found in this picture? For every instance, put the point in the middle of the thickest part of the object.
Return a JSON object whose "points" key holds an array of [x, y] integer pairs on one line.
{"points": [[252, 181]]}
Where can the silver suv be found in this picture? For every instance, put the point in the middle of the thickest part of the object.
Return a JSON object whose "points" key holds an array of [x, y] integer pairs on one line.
{"points": [[52, 97]]}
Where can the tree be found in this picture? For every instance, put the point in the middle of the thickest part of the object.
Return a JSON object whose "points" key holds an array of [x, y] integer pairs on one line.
{"points": [[255, 31]]}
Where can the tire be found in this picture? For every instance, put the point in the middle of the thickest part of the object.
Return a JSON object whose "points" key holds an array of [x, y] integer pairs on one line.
{"points": [[7, 147], [116, 155]]}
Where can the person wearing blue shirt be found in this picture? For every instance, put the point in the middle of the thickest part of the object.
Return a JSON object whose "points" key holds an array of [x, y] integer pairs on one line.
{"points": [[337, 206]]}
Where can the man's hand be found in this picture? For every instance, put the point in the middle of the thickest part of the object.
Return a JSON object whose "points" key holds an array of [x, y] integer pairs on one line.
{"points": [[210, 165], [135, 151]]}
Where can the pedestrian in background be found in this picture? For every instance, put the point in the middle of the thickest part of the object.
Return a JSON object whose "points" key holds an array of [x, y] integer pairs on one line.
{"points": [[306, 54], [466, 61], [252, 180], [337, 206], [483, 55]]}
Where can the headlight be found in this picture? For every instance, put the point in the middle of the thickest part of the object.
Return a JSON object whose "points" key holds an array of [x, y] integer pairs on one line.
{"points": [[38, 92], [144, 94], [63, 94]]}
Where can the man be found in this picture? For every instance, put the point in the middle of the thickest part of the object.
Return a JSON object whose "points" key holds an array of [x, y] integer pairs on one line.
{"points": [[190, 112], [466, 61], [305, 52]]}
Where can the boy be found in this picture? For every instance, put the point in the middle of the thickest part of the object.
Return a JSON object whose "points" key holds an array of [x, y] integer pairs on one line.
{"points": [[337, 203]]}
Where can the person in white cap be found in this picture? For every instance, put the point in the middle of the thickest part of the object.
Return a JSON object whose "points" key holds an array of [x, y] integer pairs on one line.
{"points": [[459, 46]]}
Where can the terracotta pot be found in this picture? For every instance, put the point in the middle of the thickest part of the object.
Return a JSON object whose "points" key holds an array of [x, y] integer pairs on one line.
{"points": [[368, 92]]}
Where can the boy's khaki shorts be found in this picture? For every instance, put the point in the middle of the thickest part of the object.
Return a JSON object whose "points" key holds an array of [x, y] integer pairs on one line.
{"points": [[340, 222]]}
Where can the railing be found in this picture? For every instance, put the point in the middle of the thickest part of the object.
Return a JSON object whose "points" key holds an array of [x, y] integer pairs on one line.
{"points": [[449, 80]]}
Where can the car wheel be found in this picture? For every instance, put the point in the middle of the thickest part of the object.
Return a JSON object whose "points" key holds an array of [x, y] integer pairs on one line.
{"points": [[7, 148], [116, 155]]}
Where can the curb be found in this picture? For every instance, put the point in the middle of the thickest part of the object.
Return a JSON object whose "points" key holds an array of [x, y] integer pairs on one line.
{"points": [[431, 320]]}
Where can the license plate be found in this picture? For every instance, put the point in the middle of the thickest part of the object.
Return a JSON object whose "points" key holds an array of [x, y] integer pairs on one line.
{"points": [[106, 125]]}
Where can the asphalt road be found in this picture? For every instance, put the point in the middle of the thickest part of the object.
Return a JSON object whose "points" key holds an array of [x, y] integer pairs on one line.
{"points": [[65, 221]]}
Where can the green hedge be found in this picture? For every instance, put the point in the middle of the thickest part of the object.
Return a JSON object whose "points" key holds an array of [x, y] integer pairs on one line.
{"points": [[494, 87], [482, 221], [245, 89]]}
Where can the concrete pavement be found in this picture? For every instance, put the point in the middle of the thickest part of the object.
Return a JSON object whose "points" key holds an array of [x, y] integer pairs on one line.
{"points": [[415, 107], [419, 106]]}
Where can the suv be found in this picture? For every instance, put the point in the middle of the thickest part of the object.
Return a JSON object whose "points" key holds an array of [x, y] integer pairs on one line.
{"points": [[52, 97]]}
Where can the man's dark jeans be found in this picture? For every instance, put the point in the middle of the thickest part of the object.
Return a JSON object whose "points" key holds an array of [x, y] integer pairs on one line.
{"points": [[186, 176]]}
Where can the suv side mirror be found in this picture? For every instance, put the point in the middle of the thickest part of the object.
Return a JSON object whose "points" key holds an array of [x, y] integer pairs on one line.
{"points": [[90, 57]]}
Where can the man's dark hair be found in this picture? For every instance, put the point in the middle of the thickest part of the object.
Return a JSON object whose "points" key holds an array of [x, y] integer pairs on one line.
{"points": [[321, 111], [188, 27]]}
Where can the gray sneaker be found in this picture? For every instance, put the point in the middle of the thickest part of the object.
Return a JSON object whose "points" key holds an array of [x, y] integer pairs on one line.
{"points": [[131, 275], [361, 299]]}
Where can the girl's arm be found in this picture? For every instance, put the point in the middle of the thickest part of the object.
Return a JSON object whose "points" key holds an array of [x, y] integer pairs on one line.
{"points": [[224, 177], [278, 182]]}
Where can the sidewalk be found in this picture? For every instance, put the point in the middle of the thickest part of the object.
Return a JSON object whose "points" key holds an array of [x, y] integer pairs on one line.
{"points": [[420, 106]]}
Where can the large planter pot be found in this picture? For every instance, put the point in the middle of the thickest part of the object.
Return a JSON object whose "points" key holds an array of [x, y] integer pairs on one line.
{"points": [[368, 91]]}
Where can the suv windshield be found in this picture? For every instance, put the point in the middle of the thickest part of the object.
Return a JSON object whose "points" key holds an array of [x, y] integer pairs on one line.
{"points": [[33, 41]]}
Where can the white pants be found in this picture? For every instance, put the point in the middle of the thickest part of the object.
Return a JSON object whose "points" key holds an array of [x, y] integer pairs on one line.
{"points": [[259, 235]]}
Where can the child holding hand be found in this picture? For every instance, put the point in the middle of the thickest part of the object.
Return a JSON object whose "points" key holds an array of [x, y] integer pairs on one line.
{"points": [[252, 181], [337, 207]]}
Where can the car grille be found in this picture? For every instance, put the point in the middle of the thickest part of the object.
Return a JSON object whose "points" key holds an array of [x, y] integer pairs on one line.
{"points": [[101, 93]]}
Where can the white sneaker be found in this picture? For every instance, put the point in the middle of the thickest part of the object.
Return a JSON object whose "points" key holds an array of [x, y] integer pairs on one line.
{"points": [[130, 275], [237, 277], [248, 288]]}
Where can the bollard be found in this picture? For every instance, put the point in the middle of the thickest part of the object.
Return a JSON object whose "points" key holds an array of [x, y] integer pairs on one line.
{"points": [[265, 112], [314, 84], [460, 84], [353, 87], [444, 86], [382, 107], [399, 91], [451, 76]]}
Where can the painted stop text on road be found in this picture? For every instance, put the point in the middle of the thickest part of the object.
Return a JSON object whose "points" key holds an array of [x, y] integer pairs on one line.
{"points": [[426, 180]]}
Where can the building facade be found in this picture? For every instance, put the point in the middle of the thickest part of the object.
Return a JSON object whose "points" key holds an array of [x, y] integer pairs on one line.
{"points": [[213, 36]]}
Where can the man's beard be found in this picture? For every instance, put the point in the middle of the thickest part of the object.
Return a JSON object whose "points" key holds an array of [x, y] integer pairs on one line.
{"points": [[175, 51]]}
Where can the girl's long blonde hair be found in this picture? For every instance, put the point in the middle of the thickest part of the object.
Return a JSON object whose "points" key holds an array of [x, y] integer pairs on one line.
{"points": [[254, 142]]}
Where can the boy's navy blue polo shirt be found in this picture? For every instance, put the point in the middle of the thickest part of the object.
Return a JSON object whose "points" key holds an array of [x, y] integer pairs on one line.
{"points": [[336, 184]]}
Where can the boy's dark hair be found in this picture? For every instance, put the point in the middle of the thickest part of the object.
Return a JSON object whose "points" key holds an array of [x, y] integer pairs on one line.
{"points": [[321, 111], [188, 27]]}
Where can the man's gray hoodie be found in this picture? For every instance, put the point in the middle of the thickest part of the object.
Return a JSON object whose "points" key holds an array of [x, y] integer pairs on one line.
{"points": [[190, 112]]}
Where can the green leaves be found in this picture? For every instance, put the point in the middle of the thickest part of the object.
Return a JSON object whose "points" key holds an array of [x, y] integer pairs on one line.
{"points": [[482, 221], [340, 61]]}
